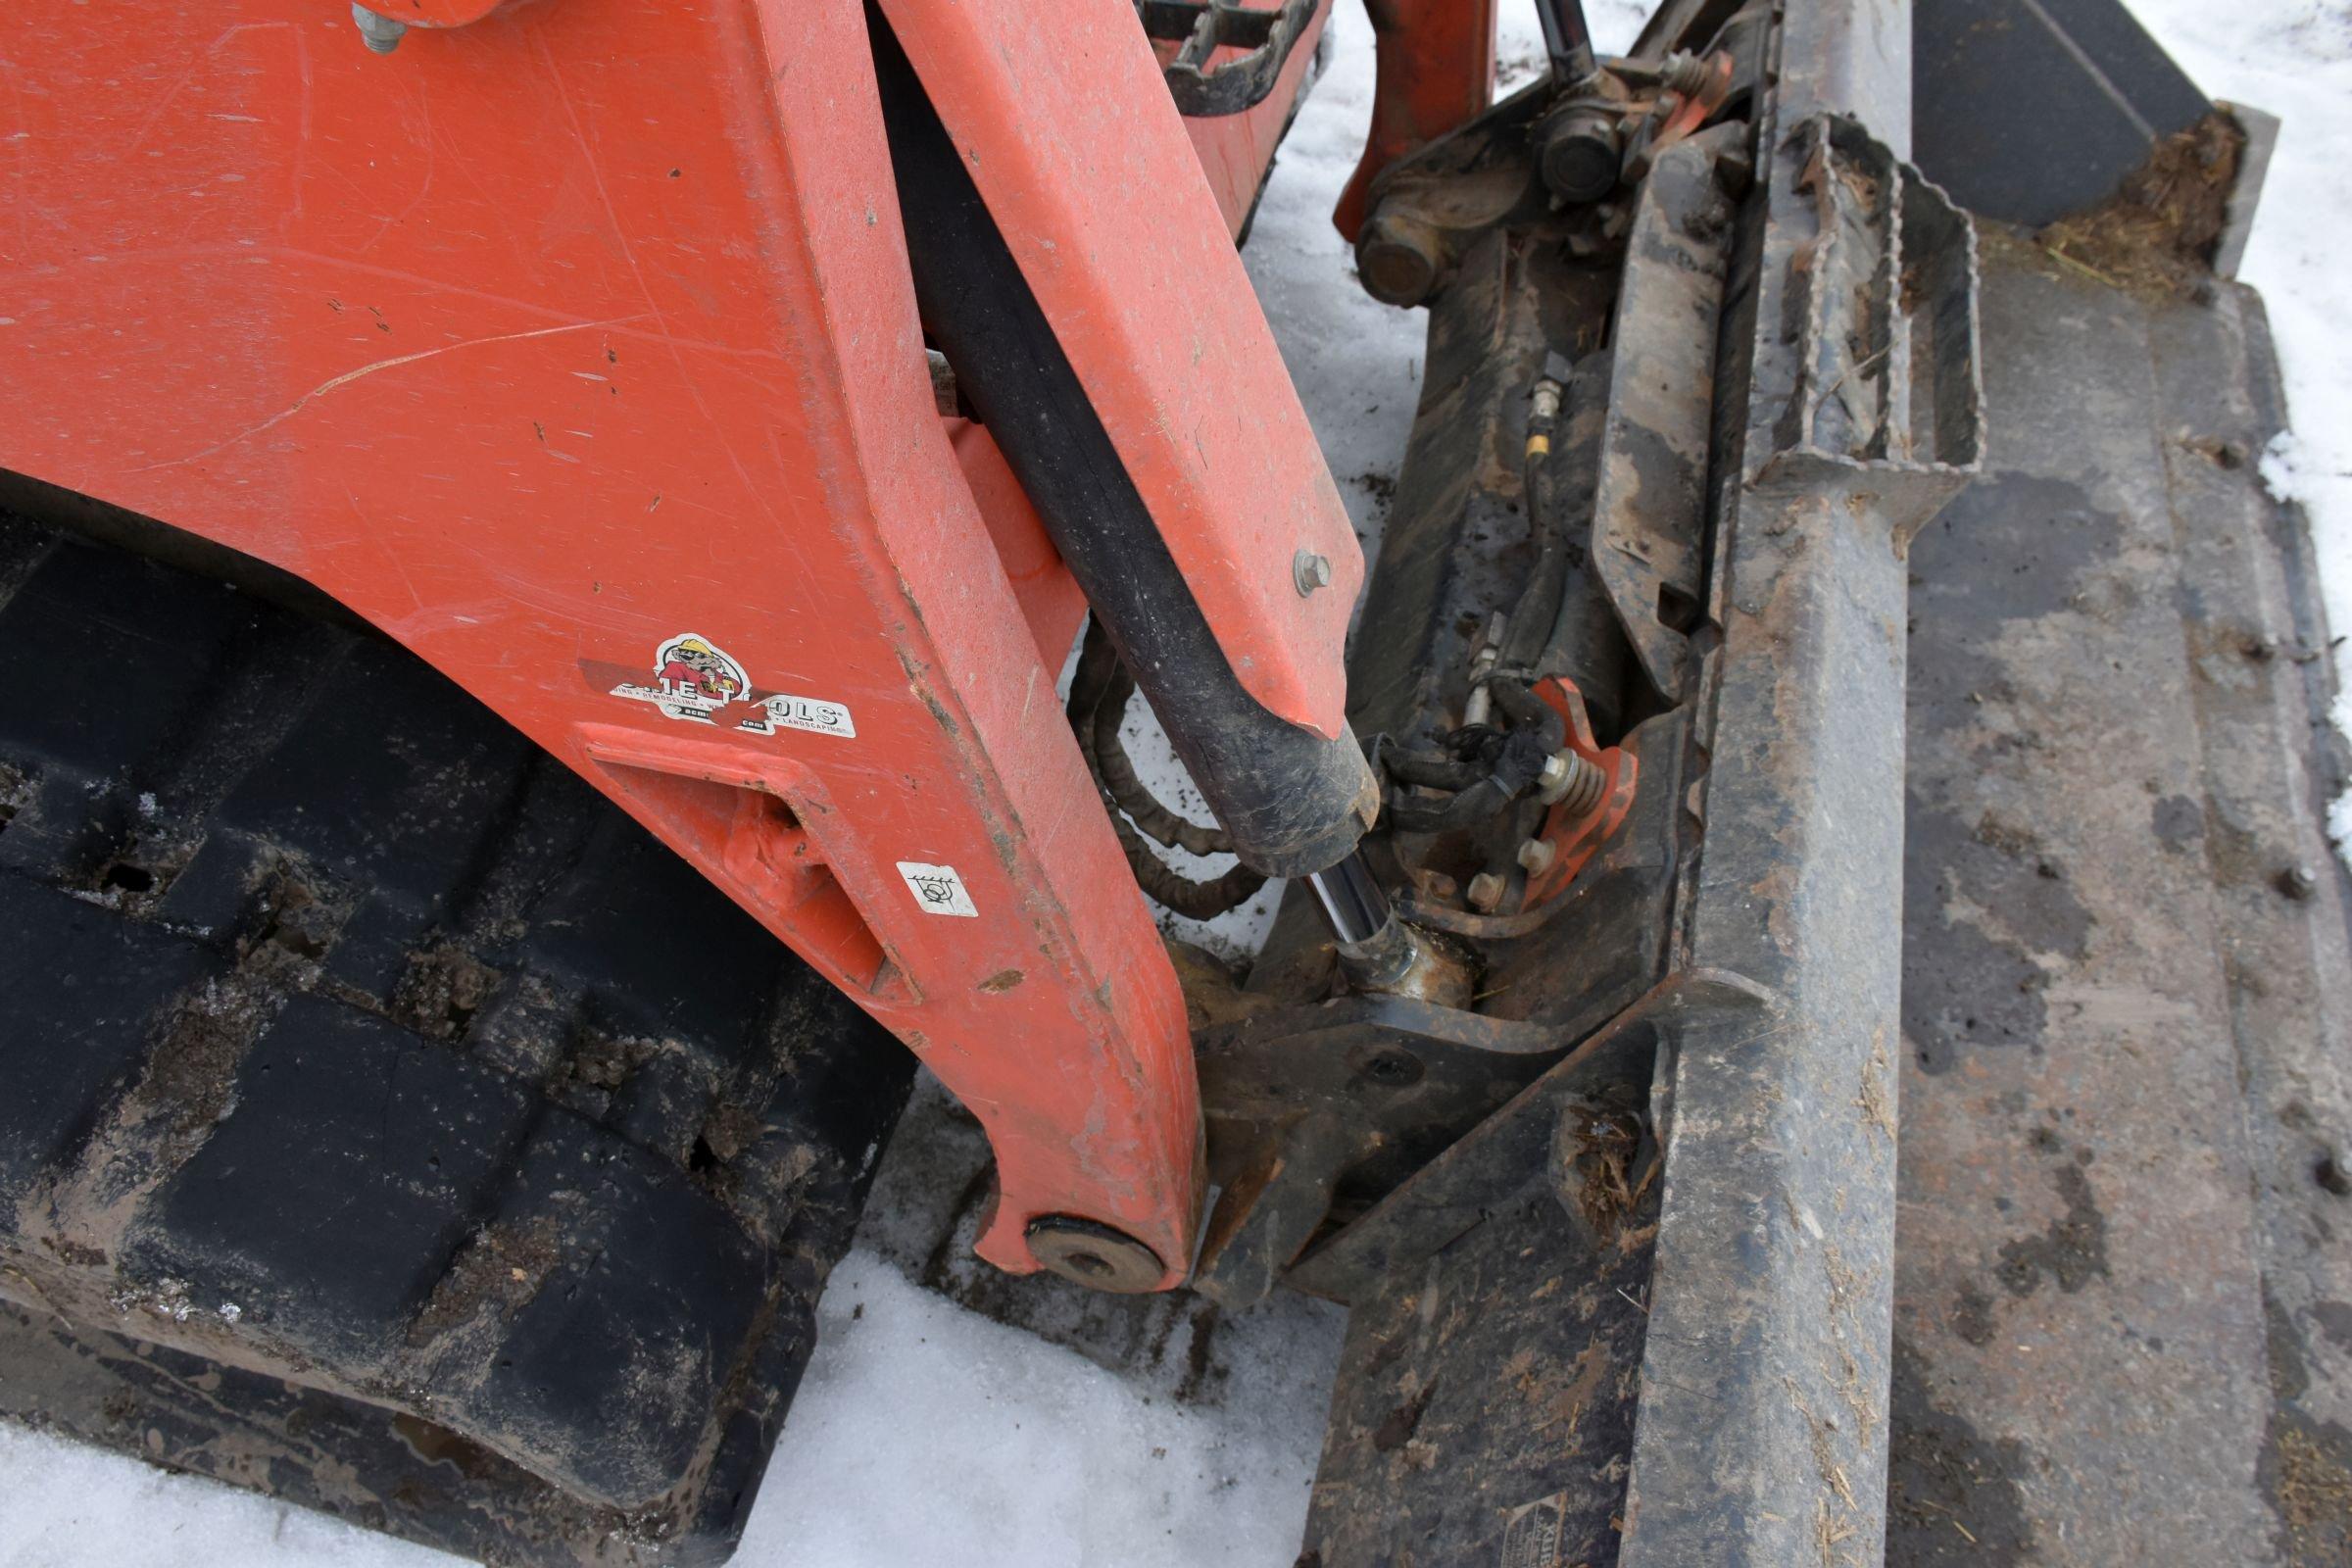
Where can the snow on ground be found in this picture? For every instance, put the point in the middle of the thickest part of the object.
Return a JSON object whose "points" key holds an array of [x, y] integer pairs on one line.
{"points": [[926, 1433], [66, 1506], [922, 1434]]}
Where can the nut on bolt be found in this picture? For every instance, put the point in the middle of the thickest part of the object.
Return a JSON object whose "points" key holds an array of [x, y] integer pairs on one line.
{"points": [[1436, 886], [381, 35], [1570, 779], [2298, 881], [1309, 571]]}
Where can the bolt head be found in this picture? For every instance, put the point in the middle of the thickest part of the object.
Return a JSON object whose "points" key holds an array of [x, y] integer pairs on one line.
{"points": [[2329, 1171], [2298, 881], [380, 33], [1486, 891], [1536, 855], [1560, 774], [1309, 571]]}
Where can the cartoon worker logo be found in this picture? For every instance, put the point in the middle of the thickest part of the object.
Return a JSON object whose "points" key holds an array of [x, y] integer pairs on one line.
{"points": [[690, 668], [694, 678]]}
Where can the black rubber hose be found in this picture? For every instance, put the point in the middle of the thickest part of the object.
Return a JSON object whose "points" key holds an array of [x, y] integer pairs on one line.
{"points": [[1528, 712], [1539, 603], [1568, 41], [1474, 807], [1585, 642], [1431, 769], [1098, 663], [1195, 901], [1157, 821], [1092, 683], [1293, 800], [1536, 732]]}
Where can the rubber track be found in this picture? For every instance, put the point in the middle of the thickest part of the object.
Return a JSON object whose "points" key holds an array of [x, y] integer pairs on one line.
{"points": [[347, 1038]]}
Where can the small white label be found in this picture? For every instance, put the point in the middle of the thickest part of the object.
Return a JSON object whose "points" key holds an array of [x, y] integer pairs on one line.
{"points": [[816, 718], [936, 889]]}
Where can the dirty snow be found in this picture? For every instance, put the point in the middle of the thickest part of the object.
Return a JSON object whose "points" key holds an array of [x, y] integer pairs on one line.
{"points": [[925, 1433]]}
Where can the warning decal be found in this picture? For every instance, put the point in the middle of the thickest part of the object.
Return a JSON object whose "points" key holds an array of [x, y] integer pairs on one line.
{"points": [[936, 889]]}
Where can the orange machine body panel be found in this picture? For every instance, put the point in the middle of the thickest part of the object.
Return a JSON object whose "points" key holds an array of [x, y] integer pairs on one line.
{"points": [[576, 349], [1102, 205]]}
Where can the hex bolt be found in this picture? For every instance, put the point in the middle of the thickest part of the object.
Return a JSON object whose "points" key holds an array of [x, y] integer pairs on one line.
{"points": [[1537, 855], [1570, 780], [1486, 891], [1309, 571], [381, 35], [1436, 886], [2298, 882], [2329, 1171]]}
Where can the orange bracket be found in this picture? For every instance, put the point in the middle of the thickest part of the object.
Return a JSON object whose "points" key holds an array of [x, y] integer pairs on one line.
{"points": [[1575, 836], [1435, 73]]}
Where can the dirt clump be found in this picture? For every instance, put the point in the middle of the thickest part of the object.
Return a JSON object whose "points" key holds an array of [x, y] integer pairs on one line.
{"points": [[2156, 235], [1601, 1149], [504, 1264], [442, 990]]}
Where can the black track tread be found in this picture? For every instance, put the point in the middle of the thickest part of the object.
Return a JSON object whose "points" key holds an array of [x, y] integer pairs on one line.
{"points": [[347, 1037]]}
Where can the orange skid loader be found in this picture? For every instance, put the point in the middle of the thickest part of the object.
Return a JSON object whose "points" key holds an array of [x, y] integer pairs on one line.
{"points": [[570, 575]]}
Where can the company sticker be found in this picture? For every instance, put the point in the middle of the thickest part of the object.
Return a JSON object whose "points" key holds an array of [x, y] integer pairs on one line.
{"points": [[936, 889], [696, 679], [1535, 1535]]}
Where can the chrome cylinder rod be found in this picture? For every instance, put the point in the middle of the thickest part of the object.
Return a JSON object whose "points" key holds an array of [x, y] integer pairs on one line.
{"points": [[1352, 900]]}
